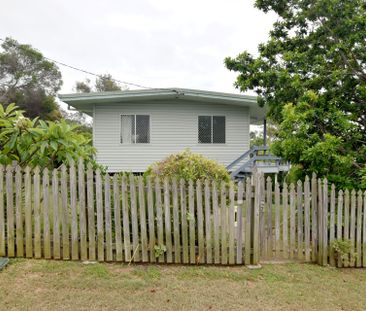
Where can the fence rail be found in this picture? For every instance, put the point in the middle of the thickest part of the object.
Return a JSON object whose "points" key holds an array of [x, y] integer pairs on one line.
{"points": [[75, 213]]}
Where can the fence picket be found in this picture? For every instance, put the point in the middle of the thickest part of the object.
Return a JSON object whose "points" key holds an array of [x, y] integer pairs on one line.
{"points": [[108, 218], [256, 222], [168, 222], [82, 216], [307, 218], [74, 213], [192, 223], [292, 220], [332, 225], [314, 217], [325, 223], [223, 216], [216, 229], [184, 227], [300, 235], [339, 222], [100, 217], [346, 220], [134, 220], [240, 228], [262, 220], [320, 221], [268, 237], [126, 221], [19, 212], [91, 215], [201, 255], [117, 218], [248, 221], [285, 221], [359, 230], [37, 214], [142, 207], [64, 215], [177, 250], [2, 213], [277, 220], [46, 214], [231, 223], [353, 224], [159, 218], [208, 222], [56, 213], [28, 213], [10, 211], [151, 219]]}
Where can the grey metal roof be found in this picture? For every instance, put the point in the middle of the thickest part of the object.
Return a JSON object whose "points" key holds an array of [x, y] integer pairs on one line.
{"points": [[84, 101]]}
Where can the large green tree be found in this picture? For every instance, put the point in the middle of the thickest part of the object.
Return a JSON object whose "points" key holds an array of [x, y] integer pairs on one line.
{"points": [[311, 74], [29, 79]]}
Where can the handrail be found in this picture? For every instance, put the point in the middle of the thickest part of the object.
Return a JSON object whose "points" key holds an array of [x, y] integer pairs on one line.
{"points": [[246, 154], [253, 160]]}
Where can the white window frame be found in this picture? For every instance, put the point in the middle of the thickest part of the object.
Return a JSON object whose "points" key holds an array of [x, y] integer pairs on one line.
{"points": [[212, 129], [134, 140]]}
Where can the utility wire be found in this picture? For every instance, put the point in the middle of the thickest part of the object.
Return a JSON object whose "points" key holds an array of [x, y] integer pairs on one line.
{"points": [[94, 74]]}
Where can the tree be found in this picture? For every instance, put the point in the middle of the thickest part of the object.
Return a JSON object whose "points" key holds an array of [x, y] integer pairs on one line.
{"points": [[83, 86], [311, 74], [29, 79], [37, 142], [104, 83]]}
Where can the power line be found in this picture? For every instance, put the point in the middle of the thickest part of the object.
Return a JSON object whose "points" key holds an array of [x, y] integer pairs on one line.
{"points": [[94, 74]]}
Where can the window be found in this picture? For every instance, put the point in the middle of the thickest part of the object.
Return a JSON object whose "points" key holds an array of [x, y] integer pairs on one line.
{"points": [[135, 129], [211, 130]]}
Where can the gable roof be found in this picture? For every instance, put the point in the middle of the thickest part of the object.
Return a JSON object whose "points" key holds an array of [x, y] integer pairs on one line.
{"points": [[84, 101]]}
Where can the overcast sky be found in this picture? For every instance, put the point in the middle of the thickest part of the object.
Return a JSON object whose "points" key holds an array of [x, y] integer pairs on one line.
{"points": [[157, 43]]}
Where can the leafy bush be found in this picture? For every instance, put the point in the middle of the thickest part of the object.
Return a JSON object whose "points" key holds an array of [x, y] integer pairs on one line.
{"points": [[188, 165], [36, 142], [344, 250]]}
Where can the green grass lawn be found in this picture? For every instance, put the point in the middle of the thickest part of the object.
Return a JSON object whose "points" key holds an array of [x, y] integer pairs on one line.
{"points": [[57, 285]]}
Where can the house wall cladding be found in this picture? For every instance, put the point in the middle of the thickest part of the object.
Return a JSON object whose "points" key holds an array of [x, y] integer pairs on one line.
{"points": [[173, 127]]}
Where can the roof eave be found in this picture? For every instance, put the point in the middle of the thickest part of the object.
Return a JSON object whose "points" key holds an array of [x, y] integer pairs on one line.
{"points": [[85, 101]]}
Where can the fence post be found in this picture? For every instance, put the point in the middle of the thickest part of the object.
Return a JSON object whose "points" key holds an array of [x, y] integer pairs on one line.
{"points": [[314, 219], [255, 223]]}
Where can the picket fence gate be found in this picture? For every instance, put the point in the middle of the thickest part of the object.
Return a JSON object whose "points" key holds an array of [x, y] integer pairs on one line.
{"points": [[76, 213]]}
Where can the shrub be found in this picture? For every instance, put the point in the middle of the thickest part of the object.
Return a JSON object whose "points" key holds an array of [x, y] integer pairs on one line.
{"points": [[36, 142], [187, 165]]}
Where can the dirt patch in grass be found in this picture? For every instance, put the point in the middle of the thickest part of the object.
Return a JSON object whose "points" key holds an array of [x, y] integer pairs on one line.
{"points": [[57, 285]]}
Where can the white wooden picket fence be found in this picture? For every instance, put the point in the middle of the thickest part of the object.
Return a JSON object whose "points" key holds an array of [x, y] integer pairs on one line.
{"points": [[80, 214]]}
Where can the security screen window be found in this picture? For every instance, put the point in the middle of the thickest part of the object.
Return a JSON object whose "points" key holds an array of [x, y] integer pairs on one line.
{"points": [[135, 129], [211, 130]]}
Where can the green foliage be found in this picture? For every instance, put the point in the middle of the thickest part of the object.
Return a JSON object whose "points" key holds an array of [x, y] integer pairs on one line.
{"points": [[37, 142], [29, 79], [78, 119], [159, 250], [344, 250], [104, 83], [311, 75], [310, 150], [187, 165]]}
